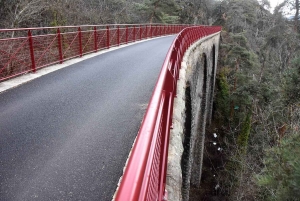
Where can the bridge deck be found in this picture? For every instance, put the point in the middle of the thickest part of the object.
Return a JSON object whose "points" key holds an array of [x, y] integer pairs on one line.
{"points": [[67, 135]]}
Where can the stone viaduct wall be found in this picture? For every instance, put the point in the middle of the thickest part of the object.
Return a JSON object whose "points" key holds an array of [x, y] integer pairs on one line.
{"points": [[192, 112]]}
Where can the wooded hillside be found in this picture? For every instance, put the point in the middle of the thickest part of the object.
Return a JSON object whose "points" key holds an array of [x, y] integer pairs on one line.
{"points": [[257, 103], [36, 13]]}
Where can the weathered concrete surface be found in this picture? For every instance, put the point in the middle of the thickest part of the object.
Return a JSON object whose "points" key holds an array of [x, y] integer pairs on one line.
{"points": [[192, 111]]}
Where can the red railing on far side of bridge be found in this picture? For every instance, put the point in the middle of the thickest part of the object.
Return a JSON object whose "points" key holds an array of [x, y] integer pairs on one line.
{"points": [[144, 178], [28, 49]]}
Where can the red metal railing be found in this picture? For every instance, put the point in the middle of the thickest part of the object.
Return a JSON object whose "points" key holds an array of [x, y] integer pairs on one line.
{"points": [[25, 50], [33, 48], [145, 175]]}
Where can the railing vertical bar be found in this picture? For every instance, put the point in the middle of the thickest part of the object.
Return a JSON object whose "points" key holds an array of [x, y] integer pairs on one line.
{"points": [[59, 45], [133, 33], [80, 41], [118, 35], [33, 67], [126, 34], [146, 31], [140, 32], [95, 39], [107, 37], [160, 30]]}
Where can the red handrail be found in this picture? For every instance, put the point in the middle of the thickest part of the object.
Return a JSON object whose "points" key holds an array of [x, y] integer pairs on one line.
{"points": [[33, 48], [145, 175]]}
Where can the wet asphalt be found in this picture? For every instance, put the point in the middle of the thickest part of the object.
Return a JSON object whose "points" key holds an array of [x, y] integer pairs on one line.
{"points": [[66, 135]]}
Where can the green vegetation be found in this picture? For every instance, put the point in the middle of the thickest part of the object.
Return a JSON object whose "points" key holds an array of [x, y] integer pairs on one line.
{"points": [[243, 137], [259, 60], [222, 98], [280, 178]]}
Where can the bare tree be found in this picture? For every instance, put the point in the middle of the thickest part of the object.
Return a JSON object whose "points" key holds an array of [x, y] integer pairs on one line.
{"points": [[21, 11]]}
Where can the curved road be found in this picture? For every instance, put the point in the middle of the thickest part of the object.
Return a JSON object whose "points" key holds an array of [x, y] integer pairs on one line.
{"points": [[67, 135]]}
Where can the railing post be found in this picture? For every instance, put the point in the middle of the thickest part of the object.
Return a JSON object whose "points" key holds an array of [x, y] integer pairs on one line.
{"points": [[59, 46], [134, 33], [107, 37], [160, 30], [153, 31], [33, 67], [80, 42], [118, 35], [150, 31], [140, 32], [146, 32], [95, 40], [126, 34]]}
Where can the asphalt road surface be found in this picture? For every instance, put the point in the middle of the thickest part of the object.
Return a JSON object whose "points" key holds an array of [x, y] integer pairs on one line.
{"points": [[66, 135]]}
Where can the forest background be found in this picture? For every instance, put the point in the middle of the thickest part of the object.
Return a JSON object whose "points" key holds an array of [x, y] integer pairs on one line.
{"points": [[256, 110]]}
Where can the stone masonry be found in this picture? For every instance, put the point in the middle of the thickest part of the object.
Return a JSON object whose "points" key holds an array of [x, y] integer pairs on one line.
{"points": [[192, 111]]}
